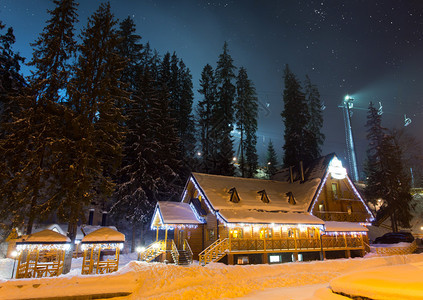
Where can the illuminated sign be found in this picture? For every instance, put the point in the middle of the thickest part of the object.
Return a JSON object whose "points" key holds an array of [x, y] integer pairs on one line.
{"points": [[336, 169]]}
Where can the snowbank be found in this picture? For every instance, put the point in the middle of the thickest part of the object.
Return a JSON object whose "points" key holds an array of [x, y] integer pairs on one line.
{"points": [[389, 282], [215, 281]]}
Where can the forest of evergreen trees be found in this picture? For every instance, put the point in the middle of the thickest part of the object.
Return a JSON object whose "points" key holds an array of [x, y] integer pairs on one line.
{"points": [[105, 120]]}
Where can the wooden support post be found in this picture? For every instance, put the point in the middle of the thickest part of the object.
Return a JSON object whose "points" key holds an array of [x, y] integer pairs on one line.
{"points": [[322, 255], [166, 238], [295, 256], [157, 234], [230, 259], [265, 258], [90, 269], [348, 253]]}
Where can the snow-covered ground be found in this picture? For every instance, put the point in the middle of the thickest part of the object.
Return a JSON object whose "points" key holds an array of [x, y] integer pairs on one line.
{"points": [[300, 280]]}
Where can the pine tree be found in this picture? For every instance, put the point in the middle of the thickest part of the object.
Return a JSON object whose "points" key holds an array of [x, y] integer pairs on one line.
{"points": [[295, 116], [130, 48], [223, 116], [246, 110], [385, 173], [177, 78], [205, 108], [34, 133], [373, 167], [315, 122], [95, 130], [11, 81], [271, 160]]}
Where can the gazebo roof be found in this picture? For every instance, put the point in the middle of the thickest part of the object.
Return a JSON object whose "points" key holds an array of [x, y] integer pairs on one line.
{"points": [[104, 235], [45, 236]]}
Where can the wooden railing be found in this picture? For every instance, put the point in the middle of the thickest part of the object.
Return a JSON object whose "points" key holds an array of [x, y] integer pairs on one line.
{"points": [[341, 242], [221, 247], [214, 252], [408, 249], [342, 216], [187, 248], [175, 253], [273, 244], [152, 251]]}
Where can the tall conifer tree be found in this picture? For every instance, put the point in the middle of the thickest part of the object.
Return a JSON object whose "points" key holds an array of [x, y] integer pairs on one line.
{"points": [[271, 160], [295, 116], [223, 118], [246, 110], [96, 128], [315, 122], [36, 130], [205, 109]]}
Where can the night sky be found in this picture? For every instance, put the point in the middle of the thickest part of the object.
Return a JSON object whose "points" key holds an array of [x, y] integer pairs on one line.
{"points": [[372, 50]]}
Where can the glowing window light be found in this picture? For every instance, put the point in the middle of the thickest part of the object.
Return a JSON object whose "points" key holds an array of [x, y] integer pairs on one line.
{"points": [[202, 195]]}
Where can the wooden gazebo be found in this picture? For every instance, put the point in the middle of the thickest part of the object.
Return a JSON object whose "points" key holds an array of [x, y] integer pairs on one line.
{"points": [[98, 244], [41, 254]]}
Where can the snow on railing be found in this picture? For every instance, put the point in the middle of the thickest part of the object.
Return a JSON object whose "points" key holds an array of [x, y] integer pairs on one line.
{"points": [[400, 249]]}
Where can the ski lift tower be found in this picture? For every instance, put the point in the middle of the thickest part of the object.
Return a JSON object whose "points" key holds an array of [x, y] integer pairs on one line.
{"points": [[346, 106]]}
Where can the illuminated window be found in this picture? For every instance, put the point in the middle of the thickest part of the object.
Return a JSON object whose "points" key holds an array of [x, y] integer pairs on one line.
{"points": [[335, 190], [236, 233], [275, 259], [266, 233], [349, 209], [321, 207], [211, 234]]}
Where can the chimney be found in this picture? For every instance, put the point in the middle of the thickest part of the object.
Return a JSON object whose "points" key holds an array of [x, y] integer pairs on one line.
{"points": [[291, 179], [104, 219], [302, 170], [91, 216]]}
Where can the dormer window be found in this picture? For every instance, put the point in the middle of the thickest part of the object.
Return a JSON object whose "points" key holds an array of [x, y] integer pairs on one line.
{"points": [[264, 198], [291, 198], [234, 195]]}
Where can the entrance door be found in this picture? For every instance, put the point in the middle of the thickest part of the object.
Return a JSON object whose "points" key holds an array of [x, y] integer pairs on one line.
{"points": [[180, 238]]}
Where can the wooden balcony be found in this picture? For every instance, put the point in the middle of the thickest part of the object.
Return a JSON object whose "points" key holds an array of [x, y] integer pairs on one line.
{"points": [[342, 216], [250, 246], [340, 242]]}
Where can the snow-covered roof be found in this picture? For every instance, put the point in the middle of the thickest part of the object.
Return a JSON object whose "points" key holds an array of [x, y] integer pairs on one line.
{"points": [[344, 227], [177, 213], [268, 217], [104, 234], [216, 189], [45, 236]]}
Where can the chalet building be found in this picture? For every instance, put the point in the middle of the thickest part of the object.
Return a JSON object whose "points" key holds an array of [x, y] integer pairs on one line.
{"points": [[306, 212]]}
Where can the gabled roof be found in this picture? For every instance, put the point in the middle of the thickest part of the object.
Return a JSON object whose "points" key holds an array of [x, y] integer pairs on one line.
{"points": [[104, 234], [217, 190], [250, 208], [176, 213], [45, 236]]}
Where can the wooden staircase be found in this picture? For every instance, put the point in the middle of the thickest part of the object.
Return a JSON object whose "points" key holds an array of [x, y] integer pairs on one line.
{"points": [[152, 251], [214, 252]]}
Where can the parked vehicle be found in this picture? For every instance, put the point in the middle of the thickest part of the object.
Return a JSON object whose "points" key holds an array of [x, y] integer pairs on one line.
{"points": [[395, 237]]}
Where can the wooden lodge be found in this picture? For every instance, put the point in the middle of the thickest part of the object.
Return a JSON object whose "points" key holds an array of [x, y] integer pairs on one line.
{"points": [[306, 212]]}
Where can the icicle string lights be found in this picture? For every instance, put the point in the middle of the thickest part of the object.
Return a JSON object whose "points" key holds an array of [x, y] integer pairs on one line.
{"points": [[41, 247], [96, 246]]}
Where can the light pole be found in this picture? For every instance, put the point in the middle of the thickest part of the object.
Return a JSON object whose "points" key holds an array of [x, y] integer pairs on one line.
{"points": [[347, 105]]}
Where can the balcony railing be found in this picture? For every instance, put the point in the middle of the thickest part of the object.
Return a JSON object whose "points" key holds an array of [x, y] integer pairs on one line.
{"points": [[263, 245], [342, 216]]}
